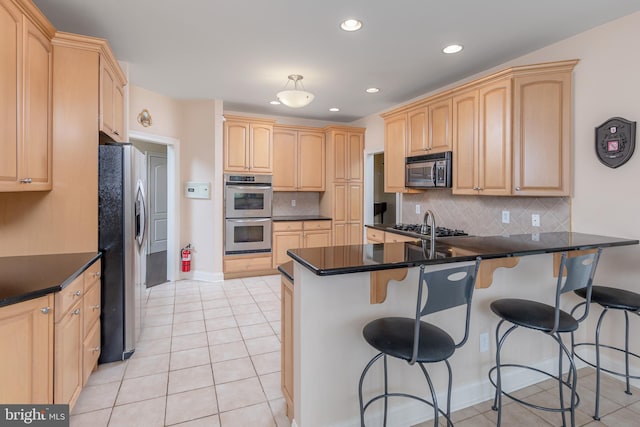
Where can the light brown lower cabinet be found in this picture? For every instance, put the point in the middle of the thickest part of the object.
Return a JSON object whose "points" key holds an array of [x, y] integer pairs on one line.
{"points": [[26, 340], [298, 234], [286, 341]]}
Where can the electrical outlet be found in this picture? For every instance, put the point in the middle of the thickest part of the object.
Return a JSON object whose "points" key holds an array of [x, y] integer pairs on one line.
{"points": [[505, 217], [293, 203], [417, 209], [484, 342], [535, 220]]}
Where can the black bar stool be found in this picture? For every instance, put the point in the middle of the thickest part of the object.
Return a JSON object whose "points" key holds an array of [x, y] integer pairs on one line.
{"points": [[414, 340], [609, 299], [552, 321]]}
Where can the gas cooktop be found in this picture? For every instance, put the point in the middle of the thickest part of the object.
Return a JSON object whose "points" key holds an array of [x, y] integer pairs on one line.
{"points": [[440, 231]]}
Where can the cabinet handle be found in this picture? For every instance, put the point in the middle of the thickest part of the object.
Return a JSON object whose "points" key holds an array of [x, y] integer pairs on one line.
{"points": [[116, 132], [45, 310], [25, 181], [476, 188], [97, 275], [96, 307], [97, 349], [77, 293], [76, 312], [517, 188]]}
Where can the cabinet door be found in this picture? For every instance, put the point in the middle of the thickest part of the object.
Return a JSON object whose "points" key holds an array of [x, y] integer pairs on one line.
{"points": [[440, 126], [417, 131], [354, 232], [118, 113], [91, 350], [317, 239], [26, 340], [286, 339], [465, 139], [542, 134], [68, 356], [340, 234], [107, 102], [236, 146], [495, 138], [311, 161], [354, 200], [340, 154], [283, 241], [261, 154], [395, 135], [355, 146], [37, 107], [340, 206], [285, 157], [10, 37]]}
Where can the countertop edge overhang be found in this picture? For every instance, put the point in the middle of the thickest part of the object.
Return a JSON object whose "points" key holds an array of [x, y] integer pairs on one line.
{"points": [[23, 278], [351, 259]]}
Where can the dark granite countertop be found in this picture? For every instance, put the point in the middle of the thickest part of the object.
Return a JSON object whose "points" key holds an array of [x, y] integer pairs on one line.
{"points": [[287, 270], [300, 218], [26, 277], [383, 256]]}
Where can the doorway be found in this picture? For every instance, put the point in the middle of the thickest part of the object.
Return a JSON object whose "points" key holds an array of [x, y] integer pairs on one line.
{"points": [[157, 237], [384, 204]]}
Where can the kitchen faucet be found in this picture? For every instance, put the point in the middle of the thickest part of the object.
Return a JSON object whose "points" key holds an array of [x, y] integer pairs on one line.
{"points": [[425, 223]]}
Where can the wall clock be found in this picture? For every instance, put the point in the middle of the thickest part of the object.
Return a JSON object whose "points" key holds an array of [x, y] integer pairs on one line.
{"points": [[615, 141]]}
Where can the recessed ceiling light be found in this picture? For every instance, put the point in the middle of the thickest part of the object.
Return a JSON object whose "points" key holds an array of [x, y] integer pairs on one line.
{"points": [[274, 102], [452, 48], [372, 90], [334, 109], [351, 24]]}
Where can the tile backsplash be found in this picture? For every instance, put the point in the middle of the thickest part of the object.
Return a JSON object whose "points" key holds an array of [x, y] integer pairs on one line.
{"points": [[482, 215], [307, 203]]}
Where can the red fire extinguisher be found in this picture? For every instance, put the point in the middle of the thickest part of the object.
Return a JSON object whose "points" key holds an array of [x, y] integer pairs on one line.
{"points": [[186, 258]]}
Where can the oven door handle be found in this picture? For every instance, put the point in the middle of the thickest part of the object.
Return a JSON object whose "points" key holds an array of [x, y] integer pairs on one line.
{"points": [[249, 187], [249, 220]]}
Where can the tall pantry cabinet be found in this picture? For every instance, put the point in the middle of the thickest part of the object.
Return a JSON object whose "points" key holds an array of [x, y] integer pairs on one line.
{"points": [[342, 199]]}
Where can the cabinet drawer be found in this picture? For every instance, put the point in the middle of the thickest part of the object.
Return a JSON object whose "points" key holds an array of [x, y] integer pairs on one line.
{"points": [[393, 237], [375, 236], [91, 352], [92, 276], [287, 226], [91, 307], [247, 264], [68, 297], [317, 225]]}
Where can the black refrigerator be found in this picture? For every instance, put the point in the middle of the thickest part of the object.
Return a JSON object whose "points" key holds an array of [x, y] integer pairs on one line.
{"points": [[121, 239]]}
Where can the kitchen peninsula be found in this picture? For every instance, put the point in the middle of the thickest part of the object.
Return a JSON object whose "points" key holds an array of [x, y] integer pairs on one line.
{"points": [[337, 290]]}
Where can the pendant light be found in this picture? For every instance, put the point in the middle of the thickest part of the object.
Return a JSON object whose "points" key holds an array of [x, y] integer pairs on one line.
{"points": [[295, 98]]}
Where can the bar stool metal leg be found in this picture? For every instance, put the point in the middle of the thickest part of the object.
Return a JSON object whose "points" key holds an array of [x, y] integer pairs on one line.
{"points": [[626, 350]]}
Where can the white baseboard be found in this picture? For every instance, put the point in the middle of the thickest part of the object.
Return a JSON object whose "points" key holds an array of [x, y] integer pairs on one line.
{"points": [[203, 276]]}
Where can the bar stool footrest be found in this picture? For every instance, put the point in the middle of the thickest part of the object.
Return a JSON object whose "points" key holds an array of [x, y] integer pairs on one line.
{"points": [[411, 396], [609, 371], [529, 404]]}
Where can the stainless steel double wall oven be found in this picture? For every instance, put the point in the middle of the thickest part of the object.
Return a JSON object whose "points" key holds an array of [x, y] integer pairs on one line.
{"points": [[248, 200]]}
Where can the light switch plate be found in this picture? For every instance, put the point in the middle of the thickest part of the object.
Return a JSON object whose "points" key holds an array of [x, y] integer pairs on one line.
{"points": [[506, 217], [417, 209], [535, 220]]}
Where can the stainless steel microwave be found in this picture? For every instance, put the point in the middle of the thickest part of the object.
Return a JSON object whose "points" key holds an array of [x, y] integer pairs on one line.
{"points": [[428, 171]]}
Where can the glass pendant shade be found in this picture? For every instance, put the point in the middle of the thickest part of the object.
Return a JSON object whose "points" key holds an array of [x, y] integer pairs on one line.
{"points": [[295, 98]]}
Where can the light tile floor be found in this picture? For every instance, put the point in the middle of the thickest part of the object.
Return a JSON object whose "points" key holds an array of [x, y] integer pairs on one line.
{"points": [[209, 355]]}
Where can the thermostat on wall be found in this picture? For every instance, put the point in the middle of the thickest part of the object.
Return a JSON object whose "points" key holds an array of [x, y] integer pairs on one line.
{"points": [[197, 190]]}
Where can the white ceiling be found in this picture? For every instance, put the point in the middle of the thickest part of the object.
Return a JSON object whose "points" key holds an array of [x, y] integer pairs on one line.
{"points": [[241, 51]]}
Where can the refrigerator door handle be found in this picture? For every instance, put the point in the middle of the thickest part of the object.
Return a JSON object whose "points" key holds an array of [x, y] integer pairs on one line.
{"points": [[140, 215]]}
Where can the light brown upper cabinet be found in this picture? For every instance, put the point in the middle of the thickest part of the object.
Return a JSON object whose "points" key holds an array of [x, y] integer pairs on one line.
{"points": [[26, 102], [248, 145], [482, 141], [112, 83], [347, 147], [429, 128], [510, 132], [542, 133], [298, 159], [395, 137]]}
